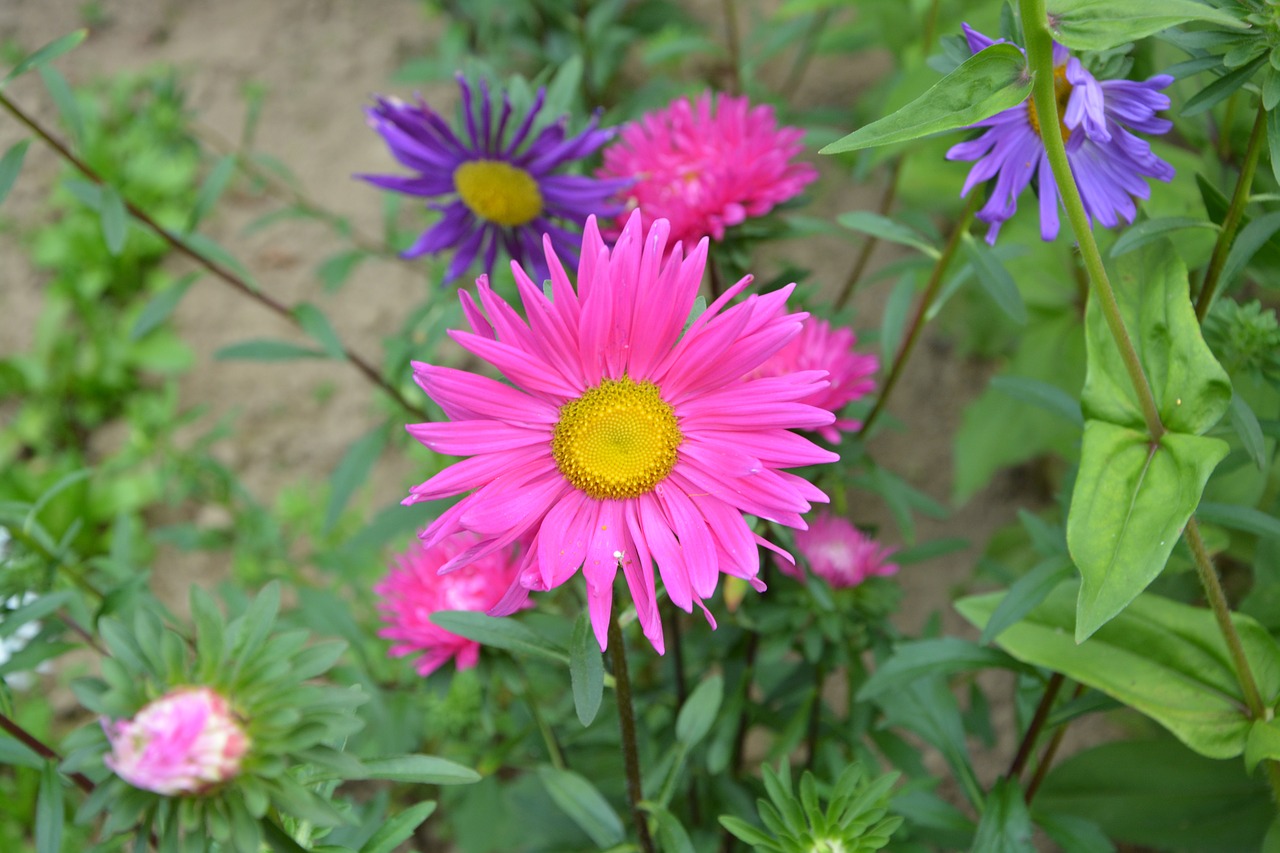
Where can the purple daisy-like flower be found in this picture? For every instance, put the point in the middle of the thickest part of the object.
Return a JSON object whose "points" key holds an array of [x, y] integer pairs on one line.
{"points": [[1096, 120], [502, 187]]}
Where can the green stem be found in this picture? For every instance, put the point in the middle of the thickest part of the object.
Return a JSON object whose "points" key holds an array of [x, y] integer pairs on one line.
{"points": [[1040, 57], [38, 746], [815, 711], [627, 725], [1235, 212], [554, 753], [868, 245], [917, 322], [930, 28], [730, 8], [805, 50]]}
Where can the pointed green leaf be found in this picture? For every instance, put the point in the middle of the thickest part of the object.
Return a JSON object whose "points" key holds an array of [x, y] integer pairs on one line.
{"points": [[161, 306], [115, 219], [1251, 238], [48, 53], [991, 80], [1130, 503], [1263, 743], [317, 325], [1243, 518], [1006, 824], [65, 100], [586, 670], [399, 828], [585, 805], [50, 811], [884, 228], [1104, 24], [1161, 658], [352, 471], [699, 711], [419, 769], [11, 165], [1149, 231], [938, 656], [1026, 593], [1245, 423], [266, 350], [995, 280], [500, 633], [211, 190]]}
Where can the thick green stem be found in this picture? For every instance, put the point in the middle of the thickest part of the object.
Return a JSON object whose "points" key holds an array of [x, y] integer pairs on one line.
{"points": [[1040, 56], [627, 725], [1231, 223], [922, 309]]}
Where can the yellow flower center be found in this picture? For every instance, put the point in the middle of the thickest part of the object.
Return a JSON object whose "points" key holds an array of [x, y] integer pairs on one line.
{"points": [[618, 440], [498, 191], [1062, 93]]}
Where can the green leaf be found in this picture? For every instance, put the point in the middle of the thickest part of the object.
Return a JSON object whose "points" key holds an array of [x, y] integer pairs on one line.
{"points": [[1075, 834], [586, 670], [1263, 743], [65, 100], [115, 219], [1104, 24], [1130, 503], [1245, 423], [884, 228], [1026, 593], [991, 80], [668, 831], [267, 350], [893, 322], [1273, 142], [1221, 89], [1151, 230], [352, 471], [1243, 518], [1006, 824], [336, 269], [500, 633], [1039, 393], [940, 656], [219, 176], [317, 325], [161, 306], [399, 828], [50, 812], [995, 279], [699, 711], [11, 165], [419, 769], [1161, 658], [48, 53], [585, 805], [1251, 238], [37, 609]]}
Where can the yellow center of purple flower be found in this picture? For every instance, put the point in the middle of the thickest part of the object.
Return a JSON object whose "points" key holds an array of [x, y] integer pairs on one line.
{"points": [[498, 192], [1062, 93], [618, 440]]}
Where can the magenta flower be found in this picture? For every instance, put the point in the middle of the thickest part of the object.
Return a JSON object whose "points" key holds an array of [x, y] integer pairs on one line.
{"points": [[840, 553], [414, 589], [502, 186], [624, 439], [706, 169], [184, 743], [821, 347], [1109, 163]]}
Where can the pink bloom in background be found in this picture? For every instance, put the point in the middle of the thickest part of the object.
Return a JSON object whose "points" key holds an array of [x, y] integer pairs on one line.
{"points": [[840, 553], [705, 168], [821, 347], [414, 590], [623, 440], [185, 742]]}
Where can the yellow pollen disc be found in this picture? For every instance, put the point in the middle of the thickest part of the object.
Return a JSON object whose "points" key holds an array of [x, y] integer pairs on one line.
{"points": [[498, 192], [1061, 93], [618, 440]]}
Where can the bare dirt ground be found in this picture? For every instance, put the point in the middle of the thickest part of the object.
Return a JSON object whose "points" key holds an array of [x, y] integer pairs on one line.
{"points": [[320, 61]]}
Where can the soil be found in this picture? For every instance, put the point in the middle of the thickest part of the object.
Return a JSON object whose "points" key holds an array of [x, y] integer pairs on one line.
{"points": [[320, 61]]}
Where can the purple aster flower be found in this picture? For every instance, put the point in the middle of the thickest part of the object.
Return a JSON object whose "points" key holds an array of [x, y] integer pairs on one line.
{"points": [[1095, 119], [501, 188]]}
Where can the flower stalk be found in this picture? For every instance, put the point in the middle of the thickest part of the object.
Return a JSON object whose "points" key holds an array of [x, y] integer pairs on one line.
{"points": [[627, 725]]}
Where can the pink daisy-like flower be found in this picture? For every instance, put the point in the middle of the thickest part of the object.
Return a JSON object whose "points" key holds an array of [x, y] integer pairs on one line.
{"points": [[624, 439], [183, 743], [414, 589], [706, 169], [840, 553], [821, 347]]}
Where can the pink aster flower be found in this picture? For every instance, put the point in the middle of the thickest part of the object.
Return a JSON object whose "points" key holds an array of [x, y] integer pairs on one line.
{"points": [[183, 743], [705, 168], [623, 440], [414, 590], [840, 553], [821, 347]]}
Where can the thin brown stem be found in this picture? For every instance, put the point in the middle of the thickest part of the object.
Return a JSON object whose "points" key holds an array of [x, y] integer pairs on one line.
{"points": [[219, 271], [869, 244], [730, 8], [922, 308], [1028, 744], [1046, 757], [38, 746], [717, 279], [627, 725], [805, 50]]}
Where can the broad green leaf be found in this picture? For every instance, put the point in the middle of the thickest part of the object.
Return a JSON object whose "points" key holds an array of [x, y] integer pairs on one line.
{"points": [[884, 228], [939, 656], [1151, 230], [1158, 794], [419, 769], [1161, 658], [1104, 24], [586, 670], [500, 633], [50, 816], [699, 711], [1263, 743], [161, 306], [48, 53], [352, 471], [585, 805], [1191, 389], [317, 325], [995, 279], [399, 828], [115, 219], [1026, 593], [1130, 503], [11, 165], [1005, 826], [1243, 518], [267, 350], [991, 80]]}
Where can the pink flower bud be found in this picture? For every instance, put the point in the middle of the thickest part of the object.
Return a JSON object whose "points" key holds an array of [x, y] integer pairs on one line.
{"points": [[840, 553], [183, 743]]}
